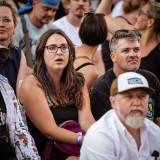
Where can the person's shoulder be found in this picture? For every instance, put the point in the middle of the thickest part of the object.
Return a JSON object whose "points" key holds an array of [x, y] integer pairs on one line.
{"points": [[30, 82], [51, 25], [105, 79], [59, 21], [147, 74], [152, 128], [104, 123], [90, 70]]}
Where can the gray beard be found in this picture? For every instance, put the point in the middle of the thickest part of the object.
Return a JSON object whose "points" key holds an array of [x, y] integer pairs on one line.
{"points": [[135, 121]]}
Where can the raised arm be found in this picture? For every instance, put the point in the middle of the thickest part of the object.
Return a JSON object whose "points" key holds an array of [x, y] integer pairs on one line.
{"points": [[113, 24], [104, 7]]}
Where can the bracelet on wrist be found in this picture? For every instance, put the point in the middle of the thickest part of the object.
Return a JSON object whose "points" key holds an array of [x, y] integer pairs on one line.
{"points": [[79, 140]]}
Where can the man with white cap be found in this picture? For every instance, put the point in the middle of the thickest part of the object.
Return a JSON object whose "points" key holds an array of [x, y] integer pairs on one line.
{"points": [[38, 15], [124, 133]]}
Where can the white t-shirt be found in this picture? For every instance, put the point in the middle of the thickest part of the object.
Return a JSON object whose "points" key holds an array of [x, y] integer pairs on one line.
{"points": [[34, 34], [117, 10], [108, 139], [69, 30]]}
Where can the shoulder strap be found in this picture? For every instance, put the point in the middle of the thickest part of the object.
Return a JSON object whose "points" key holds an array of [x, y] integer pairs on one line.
{"points": [[83, 65], [125, 19], [28, 53]]}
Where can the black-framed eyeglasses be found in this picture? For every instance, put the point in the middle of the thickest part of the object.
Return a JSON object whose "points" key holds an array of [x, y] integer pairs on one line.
{"points": [[53, 48], [141, 12], [116, 34], [93, 13]]}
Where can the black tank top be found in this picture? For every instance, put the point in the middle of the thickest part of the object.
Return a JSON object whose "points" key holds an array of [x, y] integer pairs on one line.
{"points": [[10, 68], [60, 115]]}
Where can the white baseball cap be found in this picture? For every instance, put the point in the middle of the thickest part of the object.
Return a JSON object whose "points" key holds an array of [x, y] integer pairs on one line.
{"points": [[128, 81]]}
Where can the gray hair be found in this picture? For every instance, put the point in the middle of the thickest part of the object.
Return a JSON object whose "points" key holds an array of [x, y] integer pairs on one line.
{"points": [[130, 35]]}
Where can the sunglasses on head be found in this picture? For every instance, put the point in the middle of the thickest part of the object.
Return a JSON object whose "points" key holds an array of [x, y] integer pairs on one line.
{"points": [[93, 13], [126, 31]]}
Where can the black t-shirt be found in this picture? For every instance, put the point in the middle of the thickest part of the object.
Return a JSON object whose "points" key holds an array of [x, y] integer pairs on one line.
{"points": [[100, 103], [5, 148], [152, 62], [106, 55], [10, 68]]}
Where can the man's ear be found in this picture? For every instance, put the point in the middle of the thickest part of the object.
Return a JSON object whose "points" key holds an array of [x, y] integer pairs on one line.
{"points": [[113, 56], [113, 102]]}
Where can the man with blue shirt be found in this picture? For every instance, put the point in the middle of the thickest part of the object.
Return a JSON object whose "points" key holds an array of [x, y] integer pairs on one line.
{"points": [[38, 15]]}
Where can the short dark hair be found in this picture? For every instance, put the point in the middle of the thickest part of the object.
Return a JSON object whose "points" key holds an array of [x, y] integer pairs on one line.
{"points": [[93, 30]]}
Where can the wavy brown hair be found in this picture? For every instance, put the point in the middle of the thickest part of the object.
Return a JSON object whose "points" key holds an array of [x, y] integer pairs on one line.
{"points": [[71, 81], [132, 5]]}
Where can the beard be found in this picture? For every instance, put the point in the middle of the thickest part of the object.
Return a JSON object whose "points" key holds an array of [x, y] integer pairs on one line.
{"points": [[134, 121], [80, 12]]}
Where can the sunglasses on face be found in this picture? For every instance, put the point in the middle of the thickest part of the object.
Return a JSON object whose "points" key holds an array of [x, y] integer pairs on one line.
{"points": [[141, 12], [116, 35]]}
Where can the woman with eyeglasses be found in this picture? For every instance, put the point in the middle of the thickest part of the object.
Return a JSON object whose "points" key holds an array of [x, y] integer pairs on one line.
{"points": [[147, 24], [12, 59], [91, 36], [54, 94]]}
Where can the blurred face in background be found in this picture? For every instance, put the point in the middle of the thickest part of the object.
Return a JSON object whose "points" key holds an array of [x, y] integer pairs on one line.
{"points": [[7, 25], [142, 19], [44, 13], [79, 7]]}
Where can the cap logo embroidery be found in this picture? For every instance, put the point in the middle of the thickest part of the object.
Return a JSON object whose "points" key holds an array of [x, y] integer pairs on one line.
{"points": [[135, 81]]}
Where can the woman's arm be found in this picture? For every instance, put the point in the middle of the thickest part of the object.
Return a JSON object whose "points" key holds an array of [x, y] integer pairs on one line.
{"points": [[85, 116], [113, 24], [34, 101], [22, 73], [104, 7]]}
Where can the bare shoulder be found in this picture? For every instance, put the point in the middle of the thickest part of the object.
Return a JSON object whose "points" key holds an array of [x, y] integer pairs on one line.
{"points": [[29, 82], [30, 86], [90, 71]]}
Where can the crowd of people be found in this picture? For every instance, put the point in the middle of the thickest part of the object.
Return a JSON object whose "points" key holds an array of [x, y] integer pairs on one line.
{"points": [[79, 85]]}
